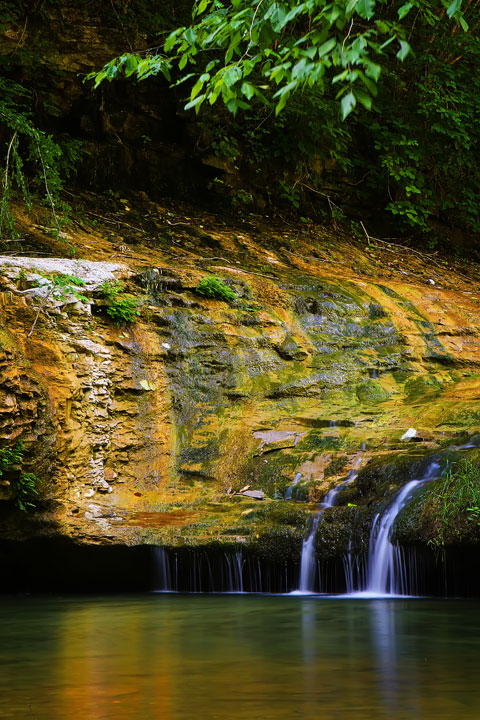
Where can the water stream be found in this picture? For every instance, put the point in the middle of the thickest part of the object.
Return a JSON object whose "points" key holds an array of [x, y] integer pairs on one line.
{"points": [[387, 570], [307, 560], [387, 574], [289, 490]]}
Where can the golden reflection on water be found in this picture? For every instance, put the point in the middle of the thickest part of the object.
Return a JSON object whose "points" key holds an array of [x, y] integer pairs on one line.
{"points": [[238, 657]]}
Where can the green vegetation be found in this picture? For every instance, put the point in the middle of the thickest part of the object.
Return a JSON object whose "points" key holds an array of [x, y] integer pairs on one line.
{"points": [[64, 285], [457, 501], [49, 160], [59, 286], [268, 51], [406, 155], [214, 287], [121, 306], [24, 485]]}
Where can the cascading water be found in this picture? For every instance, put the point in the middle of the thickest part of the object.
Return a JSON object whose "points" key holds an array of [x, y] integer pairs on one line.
{"points": [[235, 572], [289, 490], [163, 581], [386, 573], [307, 560]]}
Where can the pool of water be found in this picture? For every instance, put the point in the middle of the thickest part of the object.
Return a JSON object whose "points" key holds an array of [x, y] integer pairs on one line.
{"points": [[238, 657]]}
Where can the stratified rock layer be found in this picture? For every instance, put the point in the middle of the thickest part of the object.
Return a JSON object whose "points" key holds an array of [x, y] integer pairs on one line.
{"points": [[189, 425]]}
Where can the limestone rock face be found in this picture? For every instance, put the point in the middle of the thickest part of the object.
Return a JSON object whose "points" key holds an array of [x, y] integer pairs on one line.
{"points": [[169, 430]]}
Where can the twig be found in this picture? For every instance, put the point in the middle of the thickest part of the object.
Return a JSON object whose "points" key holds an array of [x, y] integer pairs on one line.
{"points": [[47, 189], [366, 233], [5, 181], [38, 311], [202, 259]]}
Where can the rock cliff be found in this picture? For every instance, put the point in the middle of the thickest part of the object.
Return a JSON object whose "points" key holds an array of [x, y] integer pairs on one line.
{"points": [[189, 425]]}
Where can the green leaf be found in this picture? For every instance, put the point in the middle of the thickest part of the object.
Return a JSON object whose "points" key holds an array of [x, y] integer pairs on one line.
{"points": [[454, 7], [183, 61], [404, 10], [404, 50], [365, 8], [171, 40], [372, 69], [348, 103], [197, 88], [194, 103], [248, 90], [131, 64], [365, 99], [326, 47], [294, 12], [232, 75]]}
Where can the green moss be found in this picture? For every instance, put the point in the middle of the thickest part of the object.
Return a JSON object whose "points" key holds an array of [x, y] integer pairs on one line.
{"points": [[272, 473], [319, 441], [422, 386], [371, 392], [335, 467], [283, 513], [277, 544]]}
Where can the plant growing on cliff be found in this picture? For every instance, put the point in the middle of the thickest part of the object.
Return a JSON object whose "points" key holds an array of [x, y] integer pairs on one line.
{"points": [[216, 288], [120, 306], [24, 485], [26, 145], [58, 286], [457, 500]]}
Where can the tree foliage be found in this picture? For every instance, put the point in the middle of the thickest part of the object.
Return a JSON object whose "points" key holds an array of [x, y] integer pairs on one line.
{"points": [[251, 50], [409, 66]]}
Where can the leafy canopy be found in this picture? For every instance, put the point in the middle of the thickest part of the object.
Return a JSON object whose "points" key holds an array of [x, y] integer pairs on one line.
{"points": [[250, 51]]}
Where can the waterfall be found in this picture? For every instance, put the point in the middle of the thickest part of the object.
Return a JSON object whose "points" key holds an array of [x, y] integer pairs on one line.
{"points": [[289, 490], [234, 571], [162, 573], [388, 569], [387, 572], [307, 560]]}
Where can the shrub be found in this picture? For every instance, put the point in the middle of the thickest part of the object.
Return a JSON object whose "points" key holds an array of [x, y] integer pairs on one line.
{"points": [[214, 287], [24, 485], [121, 306]]}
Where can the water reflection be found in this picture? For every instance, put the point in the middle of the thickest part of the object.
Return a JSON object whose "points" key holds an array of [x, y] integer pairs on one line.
{"points": [[237, 658]]}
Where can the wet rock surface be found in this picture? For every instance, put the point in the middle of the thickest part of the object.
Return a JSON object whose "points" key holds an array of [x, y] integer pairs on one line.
{"points": [[147, 433]]}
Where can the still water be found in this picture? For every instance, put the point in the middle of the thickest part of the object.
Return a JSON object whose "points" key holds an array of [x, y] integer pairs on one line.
{"points": [[238, 657]]}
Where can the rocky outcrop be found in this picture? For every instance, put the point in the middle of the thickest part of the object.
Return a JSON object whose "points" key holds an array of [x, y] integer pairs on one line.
{"points": [[188, 425]]}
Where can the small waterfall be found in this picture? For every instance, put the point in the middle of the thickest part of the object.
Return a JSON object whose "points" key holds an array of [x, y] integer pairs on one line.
{"points": [[289, 490], [163, 582], [387, 572], [235, 571], [307, 560], [354, 568]]}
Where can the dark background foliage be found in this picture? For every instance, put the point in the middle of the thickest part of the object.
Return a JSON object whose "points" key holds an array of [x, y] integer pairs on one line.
{"points": [[407, 166]]}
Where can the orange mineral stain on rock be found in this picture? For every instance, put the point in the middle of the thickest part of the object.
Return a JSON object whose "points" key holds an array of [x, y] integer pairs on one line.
{"points": [[323, 353]]}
